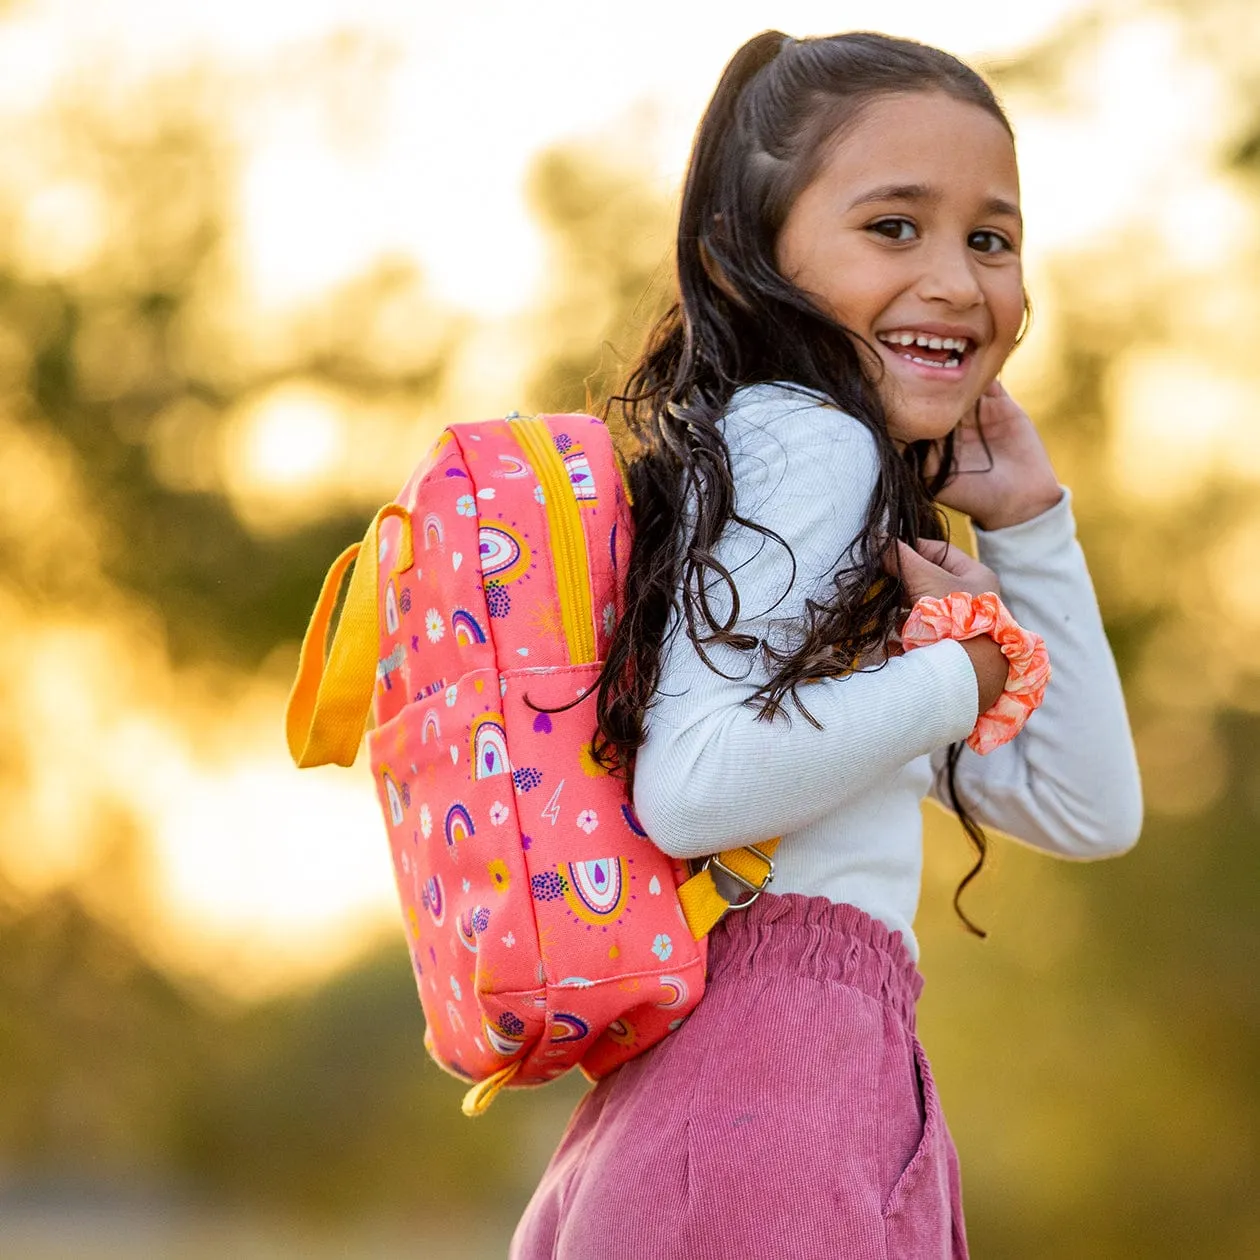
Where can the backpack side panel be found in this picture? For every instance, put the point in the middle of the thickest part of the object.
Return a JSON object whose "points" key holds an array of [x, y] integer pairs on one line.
{"points": [[543, 924], [440, 762]]}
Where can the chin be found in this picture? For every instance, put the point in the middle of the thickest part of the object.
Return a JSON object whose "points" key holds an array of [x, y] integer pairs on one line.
{"points": [[921, 428], [925, 419]]}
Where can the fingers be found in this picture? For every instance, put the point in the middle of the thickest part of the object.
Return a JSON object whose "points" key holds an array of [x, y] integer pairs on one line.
{"points": [[928, 556], [943, 555], [935, 567], [933, 552], [900, 558]]}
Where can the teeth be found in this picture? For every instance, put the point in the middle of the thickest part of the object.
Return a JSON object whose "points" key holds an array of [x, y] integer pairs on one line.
{"points": [[924, 340], [932, 363]]}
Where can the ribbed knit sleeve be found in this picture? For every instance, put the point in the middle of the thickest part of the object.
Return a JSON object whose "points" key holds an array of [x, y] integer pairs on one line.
{"points": [[1068, 782], [711, 774]]}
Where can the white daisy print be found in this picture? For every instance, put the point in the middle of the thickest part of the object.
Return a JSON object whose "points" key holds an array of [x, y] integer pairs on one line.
{"points": [[426, 821], [662, 947], [610, 618], [539, 495], [466, 505], [498, 813], [433, 625], [588, 820]]}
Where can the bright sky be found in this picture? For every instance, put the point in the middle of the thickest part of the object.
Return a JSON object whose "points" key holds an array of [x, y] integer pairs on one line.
{"points": [[438, 111]]}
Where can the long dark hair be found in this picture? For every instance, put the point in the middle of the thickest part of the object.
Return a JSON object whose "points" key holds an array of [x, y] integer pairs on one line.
{"points": [[737, 321]]}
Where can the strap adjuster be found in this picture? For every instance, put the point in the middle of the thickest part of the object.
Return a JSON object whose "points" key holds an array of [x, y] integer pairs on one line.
{"points": [[754, 890]]}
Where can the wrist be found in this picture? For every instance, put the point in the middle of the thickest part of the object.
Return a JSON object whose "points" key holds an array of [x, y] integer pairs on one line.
{"points": [[963, 616], [992, 671]]}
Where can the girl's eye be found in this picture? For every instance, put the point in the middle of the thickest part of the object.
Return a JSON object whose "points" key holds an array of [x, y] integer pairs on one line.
{"points": [[895, 229], [989, 242]]}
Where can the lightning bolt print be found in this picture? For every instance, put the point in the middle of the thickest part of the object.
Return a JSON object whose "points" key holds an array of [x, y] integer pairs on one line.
{"points": [[551, 811]]}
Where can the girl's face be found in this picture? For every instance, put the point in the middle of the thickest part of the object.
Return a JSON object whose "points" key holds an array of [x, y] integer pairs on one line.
{"points": [[910, 236]]}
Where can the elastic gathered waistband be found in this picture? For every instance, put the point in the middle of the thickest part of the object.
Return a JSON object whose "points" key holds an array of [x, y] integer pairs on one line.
{"points": [[819, 939]]}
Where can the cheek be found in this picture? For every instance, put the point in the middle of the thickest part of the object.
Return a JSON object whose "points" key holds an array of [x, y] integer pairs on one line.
{"points": [[854, 295], [1008, 311], [834, 272]]}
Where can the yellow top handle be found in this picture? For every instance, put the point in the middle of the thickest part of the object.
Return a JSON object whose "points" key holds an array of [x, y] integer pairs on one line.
{"points": [[328, 706]]}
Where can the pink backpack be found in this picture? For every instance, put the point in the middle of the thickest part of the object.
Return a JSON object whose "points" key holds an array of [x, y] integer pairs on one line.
{"points": [[545, 928]]}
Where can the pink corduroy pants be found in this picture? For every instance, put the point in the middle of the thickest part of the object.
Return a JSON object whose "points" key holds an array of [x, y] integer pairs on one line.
{"points": [[792, 1115]]}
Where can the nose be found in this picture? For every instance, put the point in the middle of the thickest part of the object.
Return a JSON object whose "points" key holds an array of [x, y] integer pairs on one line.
{"points": [[949, 276]]}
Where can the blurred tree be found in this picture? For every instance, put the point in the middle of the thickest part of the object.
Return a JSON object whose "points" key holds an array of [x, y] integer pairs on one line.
{"points": [[611, 277], [99, 1049], [325, 1101], [123, 375]]}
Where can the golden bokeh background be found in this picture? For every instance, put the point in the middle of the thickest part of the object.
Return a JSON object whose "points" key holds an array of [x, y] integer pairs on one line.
{"points": [[252, 257]]}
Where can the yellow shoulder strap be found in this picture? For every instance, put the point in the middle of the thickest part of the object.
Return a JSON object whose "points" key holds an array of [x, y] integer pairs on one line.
{"points": [[328, 706], [703, 903]]}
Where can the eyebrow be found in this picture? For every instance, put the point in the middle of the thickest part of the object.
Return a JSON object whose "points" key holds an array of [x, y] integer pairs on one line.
{"points": [[921, 192]]}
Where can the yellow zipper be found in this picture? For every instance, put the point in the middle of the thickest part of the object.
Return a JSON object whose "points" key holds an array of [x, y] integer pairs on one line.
{"points": [[568, 539]]}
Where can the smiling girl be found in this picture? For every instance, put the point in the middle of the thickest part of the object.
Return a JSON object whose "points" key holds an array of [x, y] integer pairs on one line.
{"points": [[850, 286]]}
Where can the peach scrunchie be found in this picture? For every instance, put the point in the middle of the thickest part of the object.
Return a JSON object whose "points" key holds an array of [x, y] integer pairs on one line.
{"points": [[960, 615]]}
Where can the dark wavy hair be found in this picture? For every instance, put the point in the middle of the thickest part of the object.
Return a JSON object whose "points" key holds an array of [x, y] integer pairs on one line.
{"points": [[737, 321]]}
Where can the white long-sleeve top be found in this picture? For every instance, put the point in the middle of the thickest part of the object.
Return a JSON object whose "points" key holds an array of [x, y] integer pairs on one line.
{"points": [[845, 799]]}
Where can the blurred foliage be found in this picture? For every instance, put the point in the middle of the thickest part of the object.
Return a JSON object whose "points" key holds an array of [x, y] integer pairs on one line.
{"points": [[319, 1102], [610, 279], [123, 376], [1099, 1056], [100, 1049]]}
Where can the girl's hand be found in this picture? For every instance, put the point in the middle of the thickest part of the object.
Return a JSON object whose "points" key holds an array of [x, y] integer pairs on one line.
{"points": [[933, 567], [937, 568], [1010, 483]]}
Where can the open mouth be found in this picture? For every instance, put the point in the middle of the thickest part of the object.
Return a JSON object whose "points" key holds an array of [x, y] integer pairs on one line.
{"points": [[928, 350]]}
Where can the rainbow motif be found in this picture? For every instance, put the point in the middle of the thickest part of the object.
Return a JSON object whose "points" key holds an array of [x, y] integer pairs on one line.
{"points": [[489, 746], [566, 1027], [581, 479], [392, 795], [597, 890], [433, 898], [501, 1042], [632, 821], [674, 991], [513, 467], [459, 825], [622, 1032], [504, 553], [430, 725], [467, 630], [465, 931], [432, 531]]}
